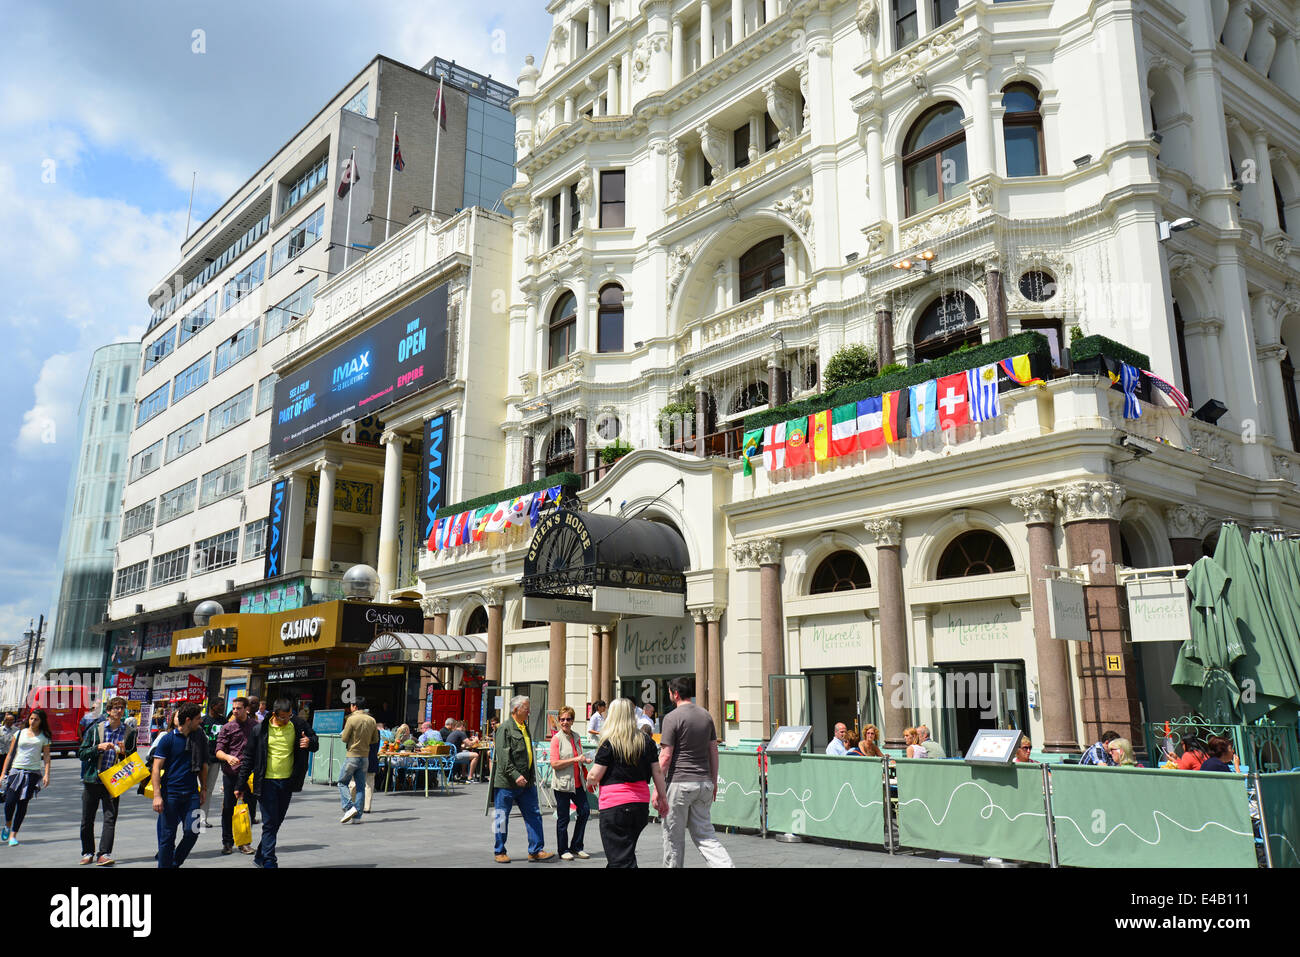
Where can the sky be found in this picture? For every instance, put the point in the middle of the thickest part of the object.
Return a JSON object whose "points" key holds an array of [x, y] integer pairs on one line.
{"points": [[106, 112]]}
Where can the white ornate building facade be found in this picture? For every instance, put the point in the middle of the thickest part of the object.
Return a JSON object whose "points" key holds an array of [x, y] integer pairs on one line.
{"points": [[714, 197]]}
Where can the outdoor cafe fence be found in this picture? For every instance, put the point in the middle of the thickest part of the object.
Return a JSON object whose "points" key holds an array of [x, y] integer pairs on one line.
{"points": [[1057, 815]]}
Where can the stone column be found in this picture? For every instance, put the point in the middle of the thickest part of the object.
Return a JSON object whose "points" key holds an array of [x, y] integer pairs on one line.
{"points": [[392, 498], [580, 443], [701, 417], [296, 492], [625, 87], [1185, 523], [767, 553], [713, 693], [706, 31], [608, 664], [494, 599], [701, 656], [320, 552], [1039, 508], [997, 297], [737, 21], [1108, 699], [888, 533], [775, 381], [981, 131], [438, 608], [1205, 332], [593, 27], [1270, 368], [526, 465], [611, 89], [678, 51], [1264, 167], [884, 333], [769, 11], [597, 649], [555, 676]]}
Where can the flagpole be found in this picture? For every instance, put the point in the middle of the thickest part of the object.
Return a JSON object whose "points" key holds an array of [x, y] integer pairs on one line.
{"points": [[352, 188], [391, 170], [193, 179], [437, 144]]}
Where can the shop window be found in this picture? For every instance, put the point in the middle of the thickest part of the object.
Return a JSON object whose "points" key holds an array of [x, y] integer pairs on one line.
{"points": [[975, 553], [843, 571], [563, 327], [1022, 130], [934, 159], [762, 267], [609, 320], [477, 623], [948, 323]]}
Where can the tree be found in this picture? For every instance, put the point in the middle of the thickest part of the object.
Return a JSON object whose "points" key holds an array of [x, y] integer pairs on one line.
{"points": [[852, 363]]}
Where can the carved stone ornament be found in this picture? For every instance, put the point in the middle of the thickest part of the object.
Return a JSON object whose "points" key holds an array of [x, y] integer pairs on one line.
{"points": [[1212, 445], [1094, 501], [921, 82], [876, 235], [982, 194], [676, 163], [1284, 468], [713, 144], [936, 226], [798, 208], [1038, 506], [523, 142], [679, 260], [818, 49], [767, 551], [888, 532], [583, 189], [743, 556], [1185, 521], [938, 45], [1281, 248], [867, 18], [780, 106], [536, 215], [492, 595]]}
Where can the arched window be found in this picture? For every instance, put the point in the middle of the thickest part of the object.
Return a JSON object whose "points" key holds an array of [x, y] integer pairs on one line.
{"points": [[1180, 336], [1292, 405], [559, 452], [842, 571], [948, 323], [563, 326], [936, 146], [609, 320], [752, 396], [762, 268], [1022, 130], [1281, 206], [477, 623], [975, 553]]}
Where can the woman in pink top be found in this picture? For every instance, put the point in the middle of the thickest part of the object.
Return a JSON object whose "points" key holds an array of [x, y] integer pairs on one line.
{"points": [[625, 764]]}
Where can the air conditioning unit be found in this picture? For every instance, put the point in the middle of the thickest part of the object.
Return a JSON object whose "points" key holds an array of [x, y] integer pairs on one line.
{"points": [[139, 609]]}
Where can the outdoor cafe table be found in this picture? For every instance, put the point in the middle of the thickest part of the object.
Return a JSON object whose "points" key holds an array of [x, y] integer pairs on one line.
{"points": [[419, 762]]}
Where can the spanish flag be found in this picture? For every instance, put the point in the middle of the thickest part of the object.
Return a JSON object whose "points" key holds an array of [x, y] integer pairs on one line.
{"points": [[1018, 371], [895, 406], [821, 435]]}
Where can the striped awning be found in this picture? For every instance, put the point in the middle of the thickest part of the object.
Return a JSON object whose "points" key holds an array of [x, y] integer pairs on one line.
{"points": [[409, 648]]}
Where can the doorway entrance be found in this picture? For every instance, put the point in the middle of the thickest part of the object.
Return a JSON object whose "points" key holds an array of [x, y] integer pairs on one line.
{"points": [[847, 696], [956, 701]]}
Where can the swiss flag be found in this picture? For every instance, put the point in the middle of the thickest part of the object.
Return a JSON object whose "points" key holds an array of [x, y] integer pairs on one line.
{"points": [[953, 401]]}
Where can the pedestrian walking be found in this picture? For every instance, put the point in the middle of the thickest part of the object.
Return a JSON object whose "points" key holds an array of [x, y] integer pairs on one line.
{"points": [[276, 756], [626, 762], [26, 770], [569, 784], [514, 783], [7, 732], [689, 758], [104, 744], [232, 742], [359, 733], [176, 788], [211, 726]]}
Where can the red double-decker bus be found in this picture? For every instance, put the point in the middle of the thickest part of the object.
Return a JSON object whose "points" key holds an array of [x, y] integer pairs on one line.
{"points": [[65, 706]]}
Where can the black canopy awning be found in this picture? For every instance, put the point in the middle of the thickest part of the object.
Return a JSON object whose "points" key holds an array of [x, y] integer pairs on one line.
{"points": [[580, 557], [411, 648]]}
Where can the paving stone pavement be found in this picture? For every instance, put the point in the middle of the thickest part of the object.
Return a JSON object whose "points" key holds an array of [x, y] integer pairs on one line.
{"points": [[404, 830]]}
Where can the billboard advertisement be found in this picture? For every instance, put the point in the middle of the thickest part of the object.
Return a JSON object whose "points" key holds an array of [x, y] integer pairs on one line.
{"points": [[433, 477], [394, 358]]}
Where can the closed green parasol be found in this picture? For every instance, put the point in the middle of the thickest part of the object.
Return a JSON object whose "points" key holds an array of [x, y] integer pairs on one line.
{"points": [[1203, 672]]}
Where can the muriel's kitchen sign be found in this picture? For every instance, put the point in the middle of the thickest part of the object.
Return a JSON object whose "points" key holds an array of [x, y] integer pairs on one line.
{"points": [[656, 646]]}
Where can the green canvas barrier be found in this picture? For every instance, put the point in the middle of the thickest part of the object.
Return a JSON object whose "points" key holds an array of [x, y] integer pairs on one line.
{"points": [[1139, 817], [968, 809], [326, 763], [1280, 796], [824, 796], [739, 800]]}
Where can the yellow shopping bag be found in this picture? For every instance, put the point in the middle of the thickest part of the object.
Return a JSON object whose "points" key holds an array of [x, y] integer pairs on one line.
{"points": [[241, 829], [124, 775]]}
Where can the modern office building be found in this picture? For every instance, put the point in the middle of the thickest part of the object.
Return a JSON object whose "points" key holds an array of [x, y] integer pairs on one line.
{"points": [[714, 198], [198, 493], [93, 510]]}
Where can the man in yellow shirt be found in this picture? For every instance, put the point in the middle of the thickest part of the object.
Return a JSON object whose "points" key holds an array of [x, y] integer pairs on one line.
{"points": [[277, 759], [513, 780]]}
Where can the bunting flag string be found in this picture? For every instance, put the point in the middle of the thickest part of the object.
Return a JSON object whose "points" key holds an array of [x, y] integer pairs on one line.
{"points": [[466, 527]]}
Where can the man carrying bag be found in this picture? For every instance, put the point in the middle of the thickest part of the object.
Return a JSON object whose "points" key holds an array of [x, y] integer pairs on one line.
{"points": [[104, 745]]}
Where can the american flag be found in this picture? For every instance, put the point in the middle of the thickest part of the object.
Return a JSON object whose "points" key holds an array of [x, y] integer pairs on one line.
{"points": [[1174, 394], [982, 389]]}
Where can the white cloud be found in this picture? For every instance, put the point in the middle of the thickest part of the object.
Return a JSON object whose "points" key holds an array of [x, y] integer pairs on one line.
{"points": [[53, 417]]}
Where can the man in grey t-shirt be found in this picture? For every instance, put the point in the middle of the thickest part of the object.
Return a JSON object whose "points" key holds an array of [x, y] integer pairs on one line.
{"points": [[688, 754]]}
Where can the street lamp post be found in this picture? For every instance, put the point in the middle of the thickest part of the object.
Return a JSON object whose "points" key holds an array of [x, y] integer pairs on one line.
{"points": [[33, 649]]}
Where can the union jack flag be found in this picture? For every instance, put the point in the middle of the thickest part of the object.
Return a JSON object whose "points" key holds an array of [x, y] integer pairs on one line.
{"points": [[1172, 391], [399, 164]]}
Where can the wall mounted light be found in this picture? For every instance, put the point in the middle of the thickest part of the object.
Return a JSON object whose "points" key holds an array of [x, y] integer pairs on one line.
{"points": [[1083, 160]]}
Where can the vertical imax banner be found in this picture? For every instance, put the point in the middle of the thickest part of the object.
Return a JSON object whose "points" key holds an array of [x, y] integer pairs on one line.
{"points": [[394, 358], [433, 476], [275, 529]]}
